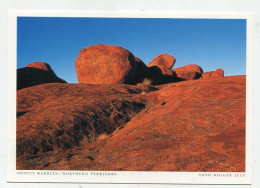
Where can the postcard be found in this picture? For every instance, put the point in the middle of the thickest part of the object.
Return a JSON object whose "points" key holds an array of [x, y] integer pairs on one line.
{"points": [[129, 97]]}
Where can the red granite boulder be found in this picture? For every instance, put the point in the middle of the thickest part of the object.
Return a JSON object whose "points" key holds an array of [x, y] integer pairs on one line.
{"points": [[163, 60], [212, 74], [218, 73], [106, 64], [160, 69], [188, 72]]}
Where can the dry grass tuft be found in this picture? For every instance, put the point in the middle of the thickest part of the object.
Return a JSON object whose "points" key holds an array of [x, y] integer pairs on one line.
{"points": [[147, 82], [102, 136]]}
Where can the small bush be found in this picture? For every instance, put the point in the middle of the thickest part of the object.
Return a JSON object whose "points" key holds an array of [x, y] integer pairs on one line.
{"points": [[102, 136], [147, 82]]}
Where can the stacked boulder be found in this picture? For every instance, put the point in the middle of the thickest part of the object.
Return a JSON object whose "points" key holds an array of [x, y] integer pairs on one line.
{"points": [[160, 69]]}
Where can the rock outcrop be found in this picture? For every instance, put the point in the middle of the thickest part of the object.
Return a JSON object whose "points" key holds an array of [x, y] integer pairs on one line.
{"points": [[52, 116], [133, 128], [106, 122], [36, 73], [107, 64]]}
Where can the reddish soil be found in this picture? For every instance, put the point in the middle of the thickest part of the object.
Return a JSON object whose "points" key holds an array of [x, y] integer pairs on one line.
{"points": [[196, 125]]}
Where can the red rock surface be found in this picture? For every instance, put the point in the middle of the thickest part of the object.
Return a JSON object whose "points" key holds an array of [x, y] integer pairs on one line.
{"points": [[36, 73], [196, 125], [65, 115], [105, 64]]}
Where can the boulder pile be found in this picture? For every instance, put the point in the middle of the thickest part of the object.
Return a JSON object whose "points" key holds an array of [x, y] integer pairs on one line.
{"points": [[107, 64]]}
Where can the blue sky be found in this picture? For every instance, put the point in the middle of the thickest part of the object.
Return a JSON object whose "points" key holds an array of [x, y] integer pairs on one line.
{"points": [[210, 43]]}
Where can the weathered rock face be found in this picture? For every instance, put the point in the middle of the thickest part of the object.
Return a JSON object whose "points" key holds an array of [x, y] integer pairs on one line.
{"points": [[169, 129], [212, 74], [106, 64], [188, 72], [36, 73], [52, 116]]}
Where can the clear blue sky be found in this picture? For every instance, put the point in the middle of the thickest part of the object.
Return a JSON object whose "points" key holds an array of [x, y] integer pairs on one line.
{"points": [[210, 43]]}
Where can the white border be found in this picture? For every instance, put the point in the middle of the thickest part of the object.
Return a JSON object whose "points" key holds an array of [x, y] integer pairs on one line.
{"points": [[126, 176]]}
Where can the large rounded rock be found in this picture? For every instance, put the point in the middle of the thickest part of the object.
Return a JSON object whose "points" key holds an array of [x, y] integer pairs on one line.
{"points": [[36, 73], [105, 64]]}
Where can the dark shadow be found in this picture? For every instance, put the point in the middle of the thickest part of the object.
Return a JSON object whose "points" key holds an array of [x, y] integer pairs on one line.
{"points": [[155, 74], [18, 114], [28, 76]]}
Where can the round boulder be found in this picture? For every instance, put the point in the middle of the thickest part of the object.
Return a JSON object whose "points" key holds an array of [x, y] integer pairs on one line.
{"points": [[105, 64]]}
